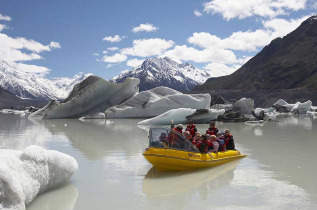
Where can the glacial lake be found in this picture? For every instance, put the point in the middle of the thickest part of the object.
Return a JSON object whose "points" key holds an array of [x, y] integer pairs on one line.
{"points": [[278, 173]]}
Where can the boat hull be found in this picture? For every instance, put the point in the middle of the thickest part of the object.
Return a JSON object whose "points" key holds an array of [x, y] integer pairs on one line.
{"points": [[165, 159]]}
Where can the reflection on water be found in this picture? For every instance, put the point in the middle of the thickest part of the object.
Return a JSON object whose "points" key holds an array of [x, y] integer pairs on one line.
{"points": [[61, 198], [277, 174], [160, 183]]}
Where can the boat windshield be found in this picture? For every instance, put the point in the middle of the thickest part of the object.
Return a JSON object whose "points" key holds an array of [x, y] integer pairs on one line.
{"points": [[167, 138]]}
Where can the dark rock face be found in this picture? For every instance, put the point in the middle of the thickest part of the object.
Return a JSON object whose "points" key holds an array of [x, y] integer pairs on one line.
{"points": [[286, 63], [10, 101]]}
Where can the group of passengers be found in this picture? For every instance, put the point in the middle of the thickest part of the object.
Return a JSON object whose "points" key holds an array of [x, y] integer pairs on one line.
{"points": [[211, 141]]}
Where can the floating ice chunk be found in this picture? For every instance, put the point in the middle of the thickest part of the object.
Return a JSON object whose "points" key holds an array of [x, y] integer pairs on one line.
{"points": [[25, 174], [266, 110], [301, 108], [182, 115], [244, 105], [156, 101], [283, 106], [92, 95]]}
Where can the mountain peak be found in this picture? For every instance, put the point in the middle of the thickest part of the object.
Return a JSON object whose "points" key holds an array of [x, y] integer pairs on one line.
{"points": [[164, 71]]}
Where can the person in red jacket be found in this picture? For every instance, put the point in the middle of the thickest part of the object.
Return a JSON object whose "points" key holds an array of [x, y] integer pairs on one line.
{"points": [[203, 143], [229, 142], [212, 130], [179, 129], [213, 144], [191, 127], [174, 137]]}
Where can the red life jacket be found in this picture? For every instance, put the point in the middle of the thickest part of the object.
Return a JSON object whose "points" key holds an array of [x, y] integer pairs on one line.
{"points": [[212, 131], [227, 138], [191, 129], [180, 131]]}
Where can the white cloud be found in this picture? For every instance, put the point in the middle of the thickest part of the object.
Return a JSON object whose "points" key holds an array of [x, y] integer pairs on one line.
{"points": [[148, 27], [95, 54], [4, 17], [112, 48], [115, 38], [104, 52], [219, 69], [108, 66], [54, 45], [134, 62], [186, 53], [247, 40], [116, 58], [16, 49], [3, 26], [148, 47], [197, 13], [282, 27], [245, 8], [33, 68]]}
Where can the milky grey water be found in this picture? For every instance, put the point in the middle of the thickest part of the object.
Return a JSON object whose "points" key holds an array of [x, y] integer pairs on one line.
{"points": [[279, 172]]}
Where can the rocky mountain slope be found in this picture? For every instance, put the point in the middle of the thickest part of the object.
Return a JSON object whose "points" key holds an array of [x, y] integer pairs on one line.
{"points": [[286, 63], [156, 72]]}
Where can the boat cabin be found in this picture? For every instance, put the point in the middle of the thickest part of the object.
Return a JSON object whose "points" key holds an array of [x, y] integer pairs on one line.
{"points": [[170, 139]]}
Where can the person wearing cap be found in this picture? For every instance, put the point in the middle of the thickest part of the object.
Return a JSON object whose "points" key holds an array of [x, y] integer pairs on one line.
{"points": [[212, 130], [191, 127], [229, 142], [179, 128]]}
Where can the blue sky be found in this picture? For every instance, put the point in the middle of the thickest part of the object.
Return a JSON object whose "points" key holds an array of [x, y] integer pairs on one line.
{"points": [[70, 36]]}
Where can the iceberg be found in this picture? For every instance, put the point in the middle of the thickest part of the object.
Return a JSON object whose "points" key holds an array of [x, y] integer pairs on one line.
{"points": [[301, 108], [182, 115], [283, 106], [244, 105], [297, 108], [92, 95], [156, 101], [25, 174]]}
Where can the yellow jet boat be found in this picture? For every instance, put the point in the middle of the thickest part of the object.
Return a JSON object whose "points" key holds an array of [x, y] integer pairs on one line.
{"points": [[170, 151]]}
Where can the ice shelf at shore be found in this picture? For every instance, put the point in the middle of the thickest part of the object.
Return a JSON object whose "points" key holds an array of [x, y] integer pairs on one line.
{"points": [[182, 115], [156, 101], [92, 95], [25, 174]]}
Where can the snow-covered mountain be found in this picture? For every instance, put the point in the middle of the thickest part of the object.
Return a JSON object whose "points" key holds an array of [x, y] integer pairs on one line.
{"points": [[67, 83], [35, 86], [156, 72]]}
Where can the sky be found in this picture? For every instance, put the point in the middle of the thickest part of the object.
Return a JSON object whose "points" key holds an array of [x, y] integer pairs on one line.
{"points": [[61, 38]]}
